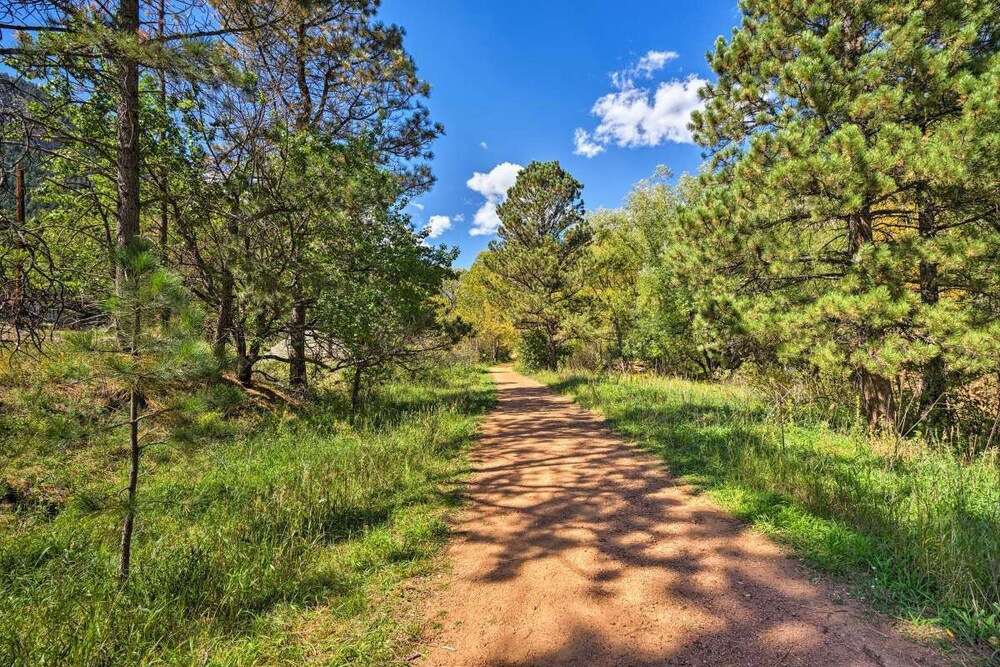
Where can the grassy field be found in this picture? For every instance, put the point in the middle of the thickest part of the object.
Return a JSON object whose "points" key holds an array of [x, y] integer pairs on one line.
{"points": [[286, 539], [917, 530]]}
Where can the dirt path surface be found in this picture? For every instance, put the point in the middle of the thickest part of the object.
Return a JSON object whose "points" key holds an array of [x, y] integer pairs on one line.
{"points": [[577, 549]]}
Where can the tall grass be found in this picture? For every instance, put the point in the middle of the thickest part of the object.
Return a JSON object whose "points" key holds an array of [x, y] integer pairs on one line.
{"points": [[920, 524], [284, 543]]}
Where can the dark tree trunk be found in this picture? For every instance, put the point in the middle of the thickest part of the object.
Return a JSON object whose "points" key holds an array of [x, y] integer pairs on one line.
{"points": [[244, 369], [553, 347], [109, 240], [877, 400], [164, 173], [620, 343], [125, 557], [705, 371], [710, 366], [19, 219], [356, 388], [224, 319], [297, 347], [933, 383], [297, 376], [127, 82], [860, 231], [135, 400]]}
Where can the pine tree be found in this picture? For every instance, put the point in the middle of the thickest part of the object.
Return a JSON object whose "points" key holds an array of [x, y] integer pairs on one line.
{"points": [[338, 72], [825, 123], [538, 258], [159, 367]]}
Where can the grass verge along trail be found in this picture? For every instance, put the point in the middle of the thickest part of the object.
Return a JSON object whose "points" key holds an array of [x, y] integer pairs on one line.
{"points": [[286, 542]]}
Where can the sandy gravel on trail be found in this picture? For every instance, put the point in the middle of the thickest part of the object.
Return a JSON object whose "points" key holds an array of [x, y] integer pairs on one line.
{"points": [[576, 549]]}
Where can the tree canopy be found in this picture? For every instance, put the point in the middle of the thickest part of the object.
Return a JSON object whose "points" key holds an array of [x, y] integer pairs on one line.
{"points": [[537, 259], [844, 223]]}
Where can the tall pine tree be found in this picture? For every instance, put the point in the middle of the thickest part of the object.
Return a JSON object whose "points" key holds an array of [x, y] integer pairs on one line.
{"points": [[538, 258]]}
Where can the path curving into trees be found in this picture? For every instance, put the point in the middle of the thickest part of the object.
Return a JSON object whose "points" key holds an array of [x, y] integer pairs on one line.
{"points": [[577, 549]]}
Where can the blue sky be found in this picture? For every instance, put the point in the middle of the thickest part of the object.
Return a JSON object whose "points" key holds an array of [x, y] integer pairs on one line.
{"points": [[515, 81]]}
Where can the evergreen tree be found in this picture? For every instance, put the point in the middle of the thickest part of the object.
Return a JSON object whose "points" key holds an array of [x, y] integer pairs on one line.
{"points": [[822, 123], [338, 72], [538, 258], [151, 363]]}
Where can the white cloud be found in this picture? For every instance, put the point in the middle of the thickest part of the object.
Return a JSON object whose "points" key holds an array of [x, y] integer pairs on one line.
{"points": [[486, 221], [631, 118], [459, 218], [493, 186], [647, 65], [496, 181], [584, 145], [437, 225], [642, 116], [417, 205], [654, 61], [482, 144]]}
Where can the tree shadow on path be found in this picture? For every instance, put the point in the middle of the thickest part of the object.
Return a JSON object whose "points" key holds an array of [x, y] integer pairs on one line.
{"points": [[576, 549]]}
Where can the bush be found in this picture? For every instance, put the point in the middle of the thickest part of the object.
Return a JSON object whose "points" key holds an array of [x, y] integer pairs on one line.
{"points": [[533, 351]]}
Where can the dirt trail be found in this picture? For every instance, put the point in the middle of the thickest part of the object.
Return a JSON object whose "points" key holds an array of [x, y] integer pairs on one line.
{"points": [[577, 549]]}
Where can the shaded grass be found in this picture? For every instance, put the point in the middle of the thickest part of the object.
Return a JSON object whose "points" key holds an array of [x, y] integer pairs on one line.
{"points": [[286, 541], [916, 528]]}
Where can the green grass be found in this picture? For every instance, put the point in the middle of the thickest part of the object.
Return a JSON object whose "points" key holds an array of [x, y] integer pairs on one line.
{"points": [[918, 530], [288, 539]]}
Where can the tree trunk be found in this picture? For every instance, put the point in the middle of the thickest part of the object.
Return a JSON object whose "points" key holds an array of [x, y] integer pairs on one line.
{"points": [[877, 401], [134, 404], [244, 369], [297, 347], [127, 231], [860, 231], [125, 557], [164, 173], [109, 246], [356, 388], [933, 383], [297, 334], [553, 361], [710, 366], [620, 343], [127, 82], [224, 321], [19, 220], [705, 372]]}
